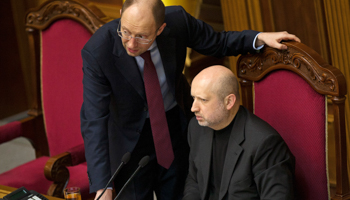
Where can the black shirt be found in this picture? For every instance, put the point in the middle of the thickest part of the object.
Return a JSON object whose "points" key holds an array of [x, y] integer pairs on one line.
{"points": [[219, 148]]}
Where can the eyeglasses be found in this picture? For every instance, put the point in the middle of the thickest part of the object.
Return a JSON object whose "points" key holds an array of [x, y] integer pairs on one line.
{"points": [[126, 35]]}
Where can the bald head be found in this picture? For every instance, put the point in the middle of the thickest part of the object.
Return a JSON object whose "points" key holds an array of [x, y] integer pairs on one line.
{"points": [[215, 97], [219, 80], [156, 7]]}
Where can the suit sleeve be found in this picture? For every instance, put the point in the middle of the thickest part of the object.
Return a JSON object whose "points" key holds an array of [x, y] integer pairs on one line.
{"points": [[191, 191], [94, 116], [203, 39], [273, 168]]}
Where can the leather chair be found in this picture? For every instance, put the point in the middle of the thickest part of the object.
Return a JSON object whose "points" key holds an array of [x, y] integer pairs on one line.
{"points": [[57, 32], [289, 90]]}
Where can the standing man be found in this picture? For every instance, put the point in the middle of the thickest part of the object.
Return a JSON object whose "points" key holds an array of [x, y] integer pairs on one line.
{"points": [[130, 108], [233, 153]]}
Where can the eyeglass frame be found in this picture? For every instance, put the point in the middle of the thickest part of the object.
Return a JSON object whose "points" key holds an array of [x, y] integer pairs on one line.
{"points": [[120, 34]]}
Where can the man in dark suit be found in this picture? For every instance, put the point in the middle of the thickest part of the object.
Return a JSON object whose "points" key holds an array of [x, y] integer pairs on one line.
{"points": [[233, 153], [115, 115]]}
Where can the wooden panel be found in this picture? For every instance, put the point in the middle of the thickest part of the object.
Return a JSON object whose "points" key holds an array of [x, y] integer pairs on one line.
{"points": [[208, 11], [111, 2], [15, 77], [297, 17], [241, 15], [322, 31], [12, 87], [211, 13], [110, 8], [337, 14]]}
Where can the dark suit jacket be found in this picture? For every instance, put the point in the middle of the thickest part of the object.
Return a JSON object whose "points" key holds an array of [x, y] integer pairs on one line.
{"points": [[115, 107], [258, 163]]}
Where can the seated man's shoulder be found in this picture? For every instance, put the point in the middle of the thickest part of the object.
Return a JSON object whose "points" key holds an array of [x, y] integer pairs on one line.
{"points": [[195, 129], [258, 126], [194, 123]]}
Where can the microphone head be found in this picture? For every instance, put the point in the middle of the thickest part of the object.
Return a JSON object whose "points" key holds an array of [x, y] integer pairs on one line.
{"points": [[144, 161], [126, 157]]}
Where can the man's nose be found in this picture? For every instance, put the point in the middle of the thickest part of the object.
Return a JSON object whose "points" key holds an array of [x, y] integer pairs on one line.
{"points": [[132, 42], [194, 107]]}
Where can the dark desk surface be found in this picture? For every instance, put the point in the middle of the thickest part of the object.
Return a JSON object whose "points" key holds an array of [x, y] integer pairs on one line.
{"points": [[4, 190]]}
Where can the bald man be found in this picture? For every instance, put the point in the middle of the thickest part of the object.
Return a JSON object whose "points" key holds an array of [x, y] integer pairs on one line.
{"points": [[116, 115], [233, 153]]}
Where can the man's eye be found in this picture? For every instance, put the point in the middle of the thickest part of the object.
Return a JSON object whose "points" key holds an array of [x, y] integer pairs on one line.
{"points": [[204, 100]]}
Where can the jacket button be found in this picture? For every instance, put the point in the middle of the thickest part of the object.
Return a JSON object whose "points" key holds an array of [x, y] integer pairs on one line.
{"points": [[145, 109]]}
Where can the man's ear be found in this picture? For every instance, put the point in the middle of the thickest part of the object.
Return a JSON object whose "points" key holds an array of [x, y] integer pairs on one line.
{"points": [[230, 101], [120, 11], [161, 28]]}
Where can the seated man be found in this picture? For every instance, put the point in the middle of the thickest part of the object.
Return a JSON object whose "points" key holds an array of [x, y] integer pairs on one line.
{"points": [[233, 153]]}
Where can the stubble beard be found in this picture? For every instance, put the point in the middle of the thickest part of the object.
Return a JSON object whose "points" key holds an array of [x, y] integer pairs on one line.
{"points": [[213, 121]]}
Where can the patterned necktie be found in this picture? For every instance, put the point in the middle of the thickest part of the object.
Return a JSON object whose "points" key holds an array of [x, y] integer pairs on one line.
{"points": [[159, 125]]}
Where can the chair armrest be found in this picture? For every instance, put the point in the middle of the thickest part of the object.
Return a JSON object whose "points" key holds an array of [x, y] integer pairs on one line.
{"points": [[56, 168], [10, 131], [32, 128], [77, 154]]}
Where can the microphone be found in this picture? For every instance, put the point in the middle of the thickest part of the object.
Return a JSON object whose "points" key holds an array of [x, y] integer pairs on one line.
{"points": [[143, 162], [125, 159]]}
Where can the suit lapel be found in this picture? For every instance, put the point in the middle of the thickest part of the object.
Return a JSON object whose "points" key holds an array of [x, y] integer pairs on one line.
{"points": [[205, 157], [166, 46], [128, 67], [234, 151]]}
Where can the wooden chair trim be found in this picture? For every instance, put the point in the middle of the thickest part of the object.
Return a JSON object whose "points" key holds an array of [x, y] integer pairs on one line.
{"points": [[324, 78], [37, 20], [56, 170], [35, 133], [87, 14], [30, 129], [341, 151], [40, 18]]}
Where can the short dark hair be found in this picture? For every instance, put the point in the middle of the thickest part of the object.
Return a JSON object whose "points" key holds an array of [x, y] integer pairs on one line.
{"points": [[158, 9]]}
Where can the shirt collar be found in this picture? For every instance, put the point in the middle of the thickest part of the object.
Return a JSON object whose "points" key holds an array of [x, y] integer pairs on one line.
{"points": [[154, 45]]}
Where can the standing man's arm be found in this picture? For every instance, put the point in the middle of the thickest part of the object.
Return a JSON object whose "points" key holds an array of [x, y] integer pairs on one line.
{"points": [[273, 169], [273, 39], [94, 122], [205, 40]]}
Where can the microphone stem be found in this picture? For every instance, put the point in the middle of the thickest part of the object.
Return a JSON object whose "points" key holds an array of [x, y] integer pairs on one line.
{"points": [[110, 180], [127, 182]]}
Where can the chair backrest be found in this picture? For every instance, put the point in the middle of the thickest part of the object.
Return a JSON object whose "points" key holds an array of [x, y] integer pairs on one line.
{"points": [[57, 32], [289, 90]]}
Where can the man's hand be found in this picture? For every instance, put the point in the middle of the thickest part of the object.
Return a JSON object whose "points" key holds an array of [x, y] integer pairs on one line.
{"points": [[106, 196], [273, 39]]}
